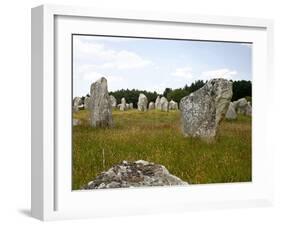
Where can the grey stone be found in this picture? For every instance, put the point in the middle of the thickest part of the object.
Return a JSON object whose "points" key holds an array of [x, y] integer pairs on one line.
{"points": [[151, 105], [101, 111], [157, 103], [248, 111], [231, 112], [123, 106], [131, 106], [142, 102], [241, 106], [127, 106], [164, 104], [77, 101], [173, 105], [87, 102], [202, 110], [134, 174], [113, 101]]}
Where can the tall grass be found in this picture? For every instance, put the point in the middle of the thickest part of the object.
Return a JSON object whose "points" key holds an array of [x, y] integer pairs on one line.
{"points": [[156, 136]]}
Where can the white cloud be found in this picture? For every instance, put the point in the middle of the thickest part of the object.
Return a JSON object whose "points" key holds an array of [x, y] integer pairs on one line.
{"points": [[219, 73], [104, 58], [184, 73]]}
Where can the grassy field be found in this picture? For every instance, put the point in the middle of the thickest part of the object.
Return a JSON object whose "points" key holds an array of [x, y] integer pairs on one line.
{"points": [[156, 136]]}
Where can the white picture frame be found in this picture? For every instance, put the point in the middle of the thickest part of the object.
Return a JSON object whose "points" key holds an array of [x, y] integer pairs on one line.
{"points": [[52, 198]]}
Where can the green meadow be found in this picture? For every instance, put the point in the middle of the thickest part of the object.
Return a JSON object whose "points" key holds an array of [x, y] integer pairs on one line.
{"points": [[156, 136]]}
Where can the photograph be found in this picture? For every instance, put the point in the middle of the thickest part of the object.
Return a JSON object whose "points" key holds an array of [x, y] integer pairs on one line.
{"points": [[160, 112]]}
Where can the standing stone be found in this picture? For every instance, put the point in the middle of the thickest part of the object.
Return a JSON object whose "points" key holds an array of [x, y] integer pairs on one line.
{"points": [[77, 101], [164, 104], [101, 111], [87, 102], [231, 112], [173, 105], [113, 101], [249, 109], [241, 106], [151, 106], [157, 103], [142, 103], [131, 106], [123, 104], [127, 106], [202, 110]]}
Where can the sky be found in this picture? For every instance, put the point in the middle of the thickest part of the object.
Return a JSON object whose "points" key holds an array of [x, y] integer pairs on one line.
{"points": [[155, 64]]}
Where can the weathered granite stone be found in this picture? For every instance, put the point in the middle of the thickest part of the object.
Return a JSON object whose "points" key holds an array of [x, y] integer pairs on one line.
{"points": [[131, 106], [127, 106], [142, 102], [123, 106], [113, 101], [164, 104], [77, 101], [249, 109], [87, 102], [101, 111], [157, 103], [241, 106], [173, 105], [151, 106], [231, 112], [134, 174], [202, 110]]}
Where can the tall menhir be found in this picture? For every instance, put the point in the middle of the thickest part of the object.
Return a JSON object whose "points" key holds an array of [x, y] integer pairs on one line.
{"points": [[100, 105]]}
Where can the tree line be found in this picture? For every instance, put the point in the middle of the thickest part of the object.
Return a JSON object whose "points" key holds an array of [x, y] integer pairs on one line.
{"points": [[241, 89]]}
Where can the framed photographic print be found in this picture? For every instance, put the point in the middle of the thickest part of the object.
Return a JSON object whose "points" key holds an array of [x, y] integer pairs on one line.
{"points": [[137, 112]]}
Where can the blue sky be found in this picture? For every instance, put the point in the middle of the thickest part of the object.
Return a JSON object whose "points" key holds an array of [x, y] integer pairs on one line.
{"points": [[154, 64]]}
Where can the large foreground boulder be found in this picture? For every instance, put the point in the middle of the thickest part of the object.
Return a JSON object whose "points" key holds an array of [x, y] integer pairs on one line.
{"points": [[142, 102], [202, 110], [101, 111], [134, 174]]}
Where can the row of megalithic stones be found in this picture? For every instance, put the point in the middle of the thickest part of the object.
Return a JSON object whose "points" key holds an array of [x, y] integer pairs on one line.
{"points": [[201, 111], [160, 103]]}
